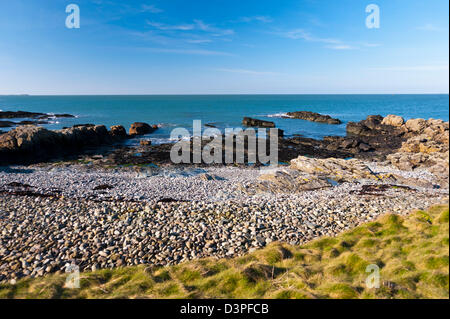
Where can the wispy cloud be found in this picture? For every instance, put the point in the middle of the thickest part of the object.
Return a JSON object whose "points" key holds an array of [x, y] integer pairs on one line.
{"points": [[331, 43], [429, 27], [197, 25], [264, 19], [150, 8], [198, 41], [443, 67], [302, 34], [162, 26], [188, 51], [245, 71], [340, 47], [150, 36], [212, 29]]}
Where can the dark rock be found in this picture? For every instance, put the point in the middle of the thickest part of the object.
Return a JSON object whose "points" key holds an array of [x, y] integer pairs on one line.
{"points": [[19, 114], [249, 122], [37, 115], [28, 122], [145, 142], [20, 185], [373, 135], [313, 117], [32, 144], [372, 121], [7, 124], [118, 131], [103, 187], [139, 128], [63, 115], [349, 143], [364, 147], [372, 126]]}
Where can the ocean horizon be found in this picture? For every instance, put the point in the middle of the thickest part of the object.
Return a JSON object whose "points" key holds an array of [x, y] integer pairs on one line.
{"points": [[227, 110]]}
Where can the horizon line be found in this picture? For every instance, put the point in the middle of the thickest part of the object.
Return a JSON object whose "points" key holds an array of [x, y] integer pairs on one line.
{"points": [[219, 94]]}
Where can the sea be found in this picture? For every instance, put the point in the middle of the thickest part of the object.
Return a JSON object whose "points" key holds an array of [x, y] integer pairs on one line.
{"points": [[226, 111]]}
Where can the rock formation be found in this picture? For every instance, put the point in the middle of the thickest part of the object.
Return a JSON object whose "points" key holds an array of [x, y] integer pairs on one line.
{"points": [[31, 115], [31, 144], [313, 117], [426, 146], [139, 128], [250, 122], [416, 144], [37, 118]]}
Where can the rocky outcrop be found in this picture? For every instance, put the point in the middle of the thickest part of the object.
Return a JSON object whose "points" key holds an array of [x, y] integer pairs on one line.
{"points": [[426, 146], [313, 117], [31, 144], [19, 114], [374, 138], [337, 169], [250, 122], [414, 144], [374, 125], [140, 128], [25, 122], [305, 174], [31, 115], [285, 181], [37, 118]]}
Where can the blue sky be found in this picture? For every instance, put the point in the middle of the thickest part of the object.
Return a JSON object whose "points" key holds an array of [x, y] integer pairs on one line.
{"points": [[221, 47]]}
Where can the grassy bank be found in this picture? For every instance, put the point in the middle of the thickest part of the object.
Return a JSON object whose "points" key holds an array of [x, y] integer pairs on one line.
{"points": [[412, 253]]}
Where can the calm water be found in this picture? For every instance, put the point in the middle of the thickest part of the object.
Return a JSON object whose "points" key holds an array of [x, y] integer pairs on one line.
{"points": [[228, 110]]}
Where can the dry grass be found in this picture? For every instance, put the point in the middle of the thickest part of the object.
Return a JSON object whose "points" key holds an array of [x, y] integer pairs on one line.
{"points": [[412, 253]]}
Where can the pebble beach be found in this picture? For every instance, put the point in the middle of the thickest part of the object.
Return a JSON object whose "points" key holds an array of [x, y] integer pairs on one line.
{"points": [[53, 216]]}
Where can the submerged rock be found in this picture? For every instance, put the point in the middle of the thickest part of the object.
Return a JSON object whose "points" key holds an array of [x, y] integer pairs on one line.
{"points": [[24, 114], [313, 117], [250, 122]]}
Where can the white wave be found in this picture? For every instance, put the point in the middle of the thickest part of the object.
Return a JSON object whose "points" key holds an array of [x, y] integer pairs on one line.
{"points": [[278, 115], [166, 125], [166, 140]]}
